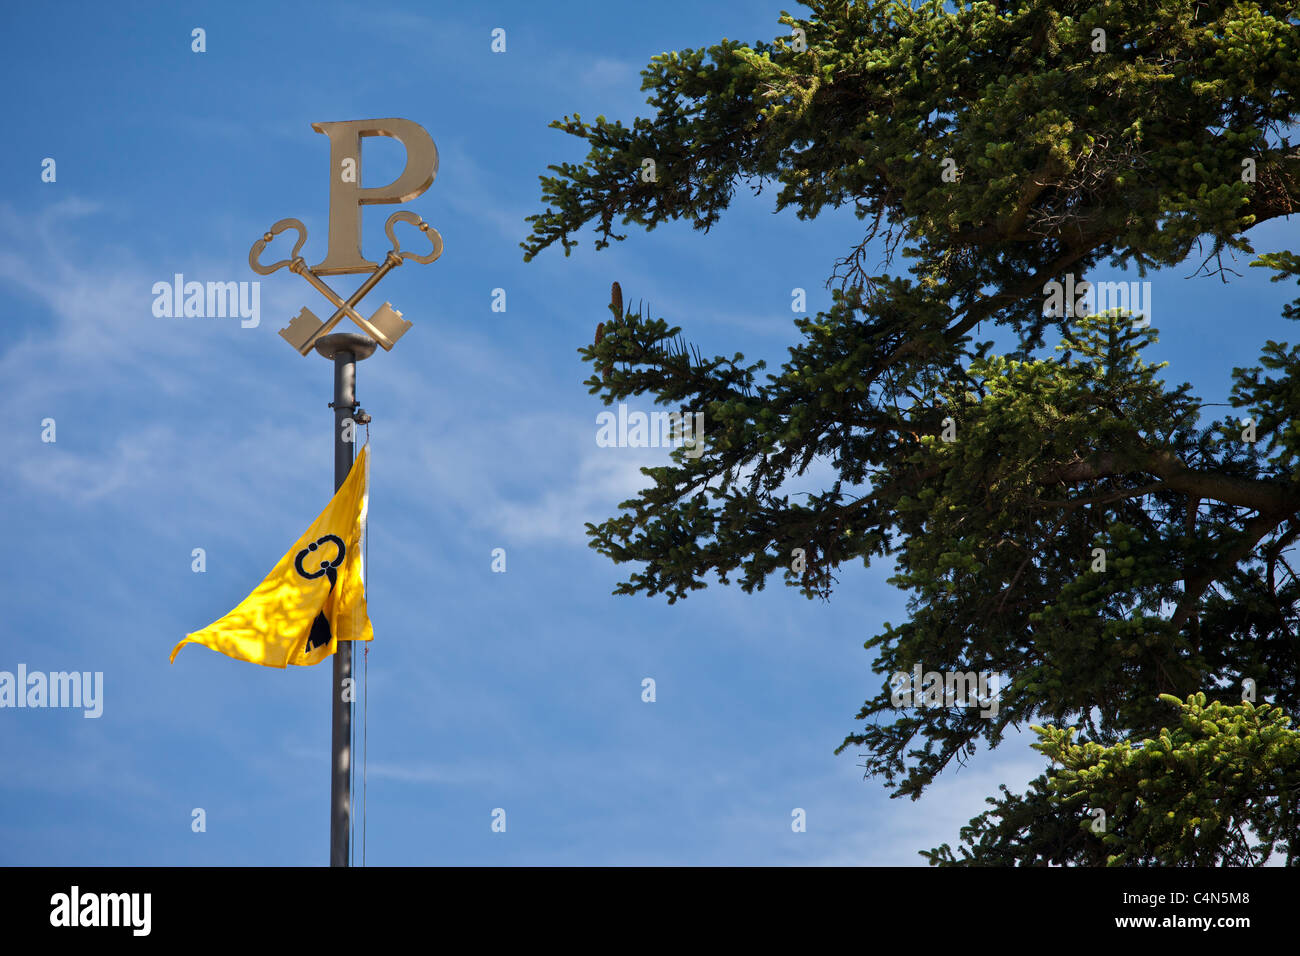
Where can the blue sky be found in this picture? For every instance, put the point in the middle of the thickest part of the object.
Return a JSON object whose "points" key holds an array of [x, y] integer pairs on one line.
{"points": [[519, 690]]}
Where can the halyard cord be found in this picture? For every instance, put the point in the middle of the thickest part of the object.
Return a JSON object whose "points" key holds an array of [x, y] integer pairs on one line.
{"points": [[365, 690], [352, 730], [365, 667]]}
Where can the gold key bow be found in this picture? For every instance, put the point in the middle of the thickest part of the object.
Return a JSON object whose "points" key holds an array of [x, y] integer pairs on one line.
{"points": [[386, 326]]}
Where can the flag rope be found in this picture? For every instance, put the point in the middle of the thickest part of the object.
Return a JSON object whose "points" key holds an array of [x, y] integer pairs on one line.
{"points": [[365, 666], [352, 772], [365, 737]]}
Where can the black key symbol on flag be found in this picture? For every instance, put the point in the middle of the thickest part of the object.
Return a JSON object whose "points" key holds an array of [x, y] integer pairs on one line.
{"points": [[320, 628]]}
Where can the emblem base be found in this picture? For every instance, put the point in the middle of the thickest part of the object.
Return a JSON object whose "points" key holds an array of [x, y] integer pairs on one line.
{"points": [[361, 346]]}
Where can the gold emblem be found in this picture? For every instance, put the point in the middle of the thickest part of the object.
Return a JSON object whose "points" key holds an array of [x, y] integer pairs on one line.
{"points": [[347, 196]]}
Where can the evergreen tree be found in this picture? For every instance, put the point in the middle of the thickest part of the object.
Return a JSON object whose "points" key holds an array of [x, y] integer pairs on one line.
{"points": [[1064, 518]]}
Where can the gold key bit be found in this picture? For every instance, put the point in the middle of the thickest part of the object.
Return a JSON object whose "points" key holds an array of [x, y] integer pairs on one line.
{"points": [[301, 329], [390, 322]]}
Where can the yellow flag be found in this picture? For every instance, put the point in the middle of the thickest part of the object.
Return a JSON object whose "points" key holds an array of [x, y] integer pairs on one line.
{"points": [[313, 598]]}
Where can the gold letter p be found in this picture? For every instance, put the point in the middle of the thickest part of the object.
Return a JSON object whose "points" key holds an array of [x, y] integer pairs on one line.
{"points": [[347, 195]]}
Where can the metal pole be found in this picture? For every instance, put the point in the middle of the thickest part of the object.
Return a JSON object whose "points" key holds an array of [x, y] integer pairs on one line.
{"points": [[346, 349]]}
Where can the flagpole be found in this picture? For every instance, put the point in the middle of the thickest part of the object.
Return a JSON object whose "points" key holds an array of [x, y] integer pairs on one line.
{"points": [[345, 349]]}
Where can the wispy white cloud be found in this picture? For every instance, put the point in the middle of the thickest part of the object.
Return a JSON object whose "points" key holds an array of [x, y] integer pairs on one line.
{"points": [[609, 73], [956, 797], [465, 188], [419, 771]]}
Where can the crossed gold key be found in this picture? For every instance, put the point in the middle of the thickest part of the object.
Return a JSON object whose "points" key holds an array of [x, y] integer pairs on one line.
{"points": [[386, 326]]}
